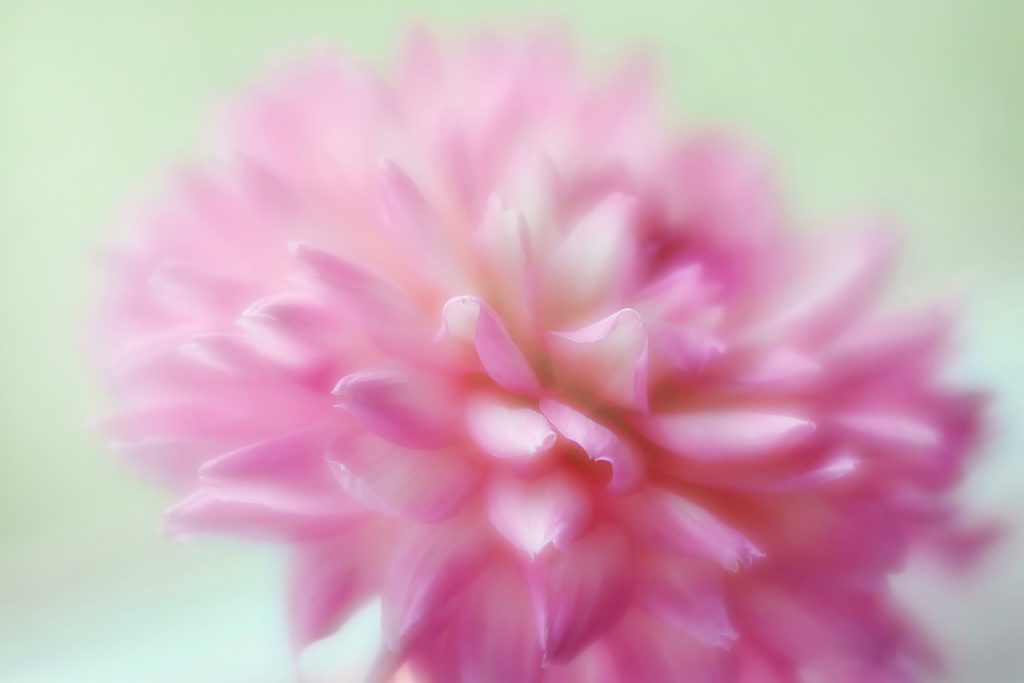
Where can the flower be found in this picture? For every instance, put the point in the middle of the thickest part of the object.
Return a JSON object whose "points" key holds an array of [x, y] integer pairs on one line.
{"points": [[561, 389]]}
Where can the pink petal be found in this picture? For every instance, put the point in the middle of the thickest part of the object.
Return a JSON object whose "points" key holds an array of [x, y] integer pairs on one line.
{"points": [[498, 636], [327, 582], [427, 485], [429, 571], [294, 461], [608, 357], [507, 432], [394, 405], [889, 430], [260, 515], [472, 319], [720, 434], [534, 514], [581, 590], [598, 442], [687, 595], [593, 262], [679, 526]]}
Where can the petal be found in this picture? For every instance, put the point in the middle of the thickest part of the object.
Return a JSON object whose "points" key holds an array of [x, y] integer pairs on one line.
{"points": [[498, 636], [427, 485], [687, 595], [598, 442], [328, 580], [608, 357], [581, 591], [679, 526], [642, 649], [534, 514], [889, 430], [397, 407], [472, 319], [507, 432], [595, 258], [430, 569], [261, 515], [724, 434], [293, 461], [779, 369], [847, 276]]}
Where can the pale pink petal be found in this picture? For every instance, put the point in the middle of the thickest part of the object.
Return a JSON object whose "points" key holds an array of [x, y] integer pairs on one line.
{"points": [[535, 514], [594, 261], [471, 319], [264, 516], [427, 485], [508, 432], [328, 580], [409, 411], [608, 358], [723, 434]]}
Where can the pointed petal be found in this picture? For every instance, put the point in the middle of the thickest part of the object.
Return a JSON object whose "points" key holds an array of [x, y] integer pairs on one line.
{"points": [[681, 527], [687, 595], [722, 435], [261, 516], [428, 573], [581, 591], [598, 442], [593, 262], [427, 485], [889, 430], [608, 357], [328, 580], [507, 432], [395, 406], [499, 645], [534, 514], [472, 319], [293, 461]]}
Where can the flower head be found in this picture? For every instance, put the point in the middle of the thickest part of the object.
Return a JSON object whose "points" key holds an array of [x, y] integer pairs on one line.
{"points": [[482, 339]]}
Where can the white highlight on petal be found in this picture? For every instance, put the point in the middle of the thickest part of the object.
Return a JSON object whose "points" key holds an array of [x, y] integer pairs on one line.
{"points": [[508, 432], [534, 514], [718, 435]]}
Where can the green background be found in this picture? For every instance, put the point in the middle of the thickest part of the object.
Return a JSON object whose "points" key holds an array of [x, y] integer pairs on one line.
{"points": [[915, 107]]}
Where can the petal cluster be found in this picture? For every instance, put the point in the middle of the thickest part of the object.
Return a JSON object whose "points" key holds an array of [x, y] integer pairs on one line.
{"points": [[484, 340]]}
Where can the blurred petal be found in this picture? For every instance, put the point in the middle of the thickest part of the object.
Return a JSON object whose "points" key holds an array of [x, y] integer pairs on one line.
{"points": [[722, 434], [506, 432]]}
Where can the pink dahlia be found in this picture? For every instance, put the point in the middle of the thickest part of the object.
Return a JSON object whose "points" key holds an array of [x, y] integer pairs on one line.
{"points": [[485, 341]]}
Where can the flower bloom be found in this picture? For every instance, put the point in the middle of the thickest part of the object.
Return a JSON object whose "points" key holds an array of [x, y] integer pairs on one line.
{"points": [[484, 340]]}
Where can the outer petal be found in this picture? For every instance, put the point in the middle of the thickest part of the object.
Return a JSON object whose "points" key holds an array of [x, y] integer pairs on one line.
{"points": [[534, 514], [608, 358], [292, 462], [428, 572], [580, 591], [261, 516], [425, 485], [399, 408], [329, 580]]}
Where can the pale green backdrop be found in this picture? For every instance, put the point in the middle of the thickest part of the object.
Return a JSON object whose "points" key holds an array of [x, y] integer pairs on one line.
{"points": [[915, 106]]}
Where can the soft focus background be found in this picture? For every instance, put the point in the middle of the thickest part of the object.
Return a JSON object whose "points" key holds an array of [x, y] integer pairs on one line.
{"points": [[916, 107]]}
